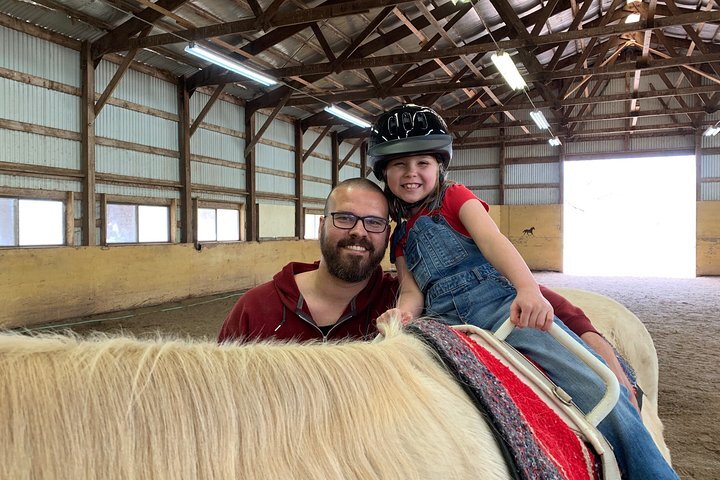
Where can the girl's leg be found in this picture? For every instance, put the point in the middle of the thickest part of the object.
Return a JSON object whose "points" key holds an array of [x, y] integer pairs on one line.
{"points": [[634, 448]]}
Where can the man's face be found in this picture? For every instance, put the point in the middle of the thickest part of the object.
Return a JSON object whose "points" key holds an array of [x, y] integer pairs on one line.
{"points": [[352, 255]]}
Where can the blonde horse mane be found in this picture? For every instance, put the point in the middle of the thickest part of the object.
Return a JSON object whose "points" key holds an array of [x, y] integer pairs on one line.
{"points": [[118, 408]]}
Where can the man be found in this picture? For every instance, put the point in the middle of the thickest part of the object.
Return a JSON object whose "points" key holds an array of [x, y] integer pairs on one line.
{"points": [[341, 295]]}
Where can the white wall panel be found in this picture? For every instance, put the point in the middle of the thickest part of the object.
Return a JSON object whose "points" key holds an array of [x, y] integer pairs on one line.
{"points": [[278, 131], [33, 149], [268, 156], [316, 167], [491, 195], [218, 197], [209, 143], [130, 126], [315, 189], [130, 191], [222, 114], [349, 171], [710, 192], [532, 196], [139, 88], [325, 147], [39, 106], [136, 164], [710, 166], [480, 176], [217, 175], [541, 150], [274, 184], [27, 54], [532, 173], [35, 183], [475, 156], [662, 142]]}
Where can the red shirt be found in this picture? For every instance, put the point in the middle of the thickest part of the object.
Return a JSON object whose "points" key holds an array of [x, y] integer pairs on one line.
{"points": [[455, 197], [276, 310]]}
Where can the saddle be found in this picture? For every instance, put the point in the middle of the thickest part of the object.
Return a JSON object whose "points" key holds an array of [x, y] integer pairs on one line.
{"points": [[541, 432]]}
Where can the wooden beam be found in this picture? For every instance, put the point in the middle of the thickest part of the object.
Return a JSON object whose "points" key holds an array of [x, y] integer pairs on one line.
{"points": [[206, 108], [456, 52], [253, 24], [137, 23], [257, 136], [70, 219], [323, 43], [335, 159], [299, 194], [251, 227], [87, 145], [316, 143], [363, 160], [350, 154], [103, 219], [187, 233]]}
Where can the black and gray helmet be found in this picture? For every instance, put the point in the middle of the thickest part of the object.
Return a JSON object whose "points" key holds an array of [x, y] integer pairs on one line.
{"points": [[408, 129]]}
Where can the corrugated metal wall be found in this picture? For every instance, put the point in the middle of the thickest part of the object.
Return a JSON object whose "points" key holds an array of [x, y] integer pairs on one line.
{"points": [[137, 138]]}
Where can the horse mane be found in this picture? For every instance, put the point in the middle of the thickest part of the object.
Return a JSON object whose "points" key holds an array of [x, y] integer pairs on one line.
{"points": [[121, 407]]}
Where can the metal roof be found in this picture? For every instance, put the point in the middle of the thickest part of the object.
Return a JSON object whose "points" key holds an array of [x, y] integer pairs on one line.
{"points": [[368, 55]]}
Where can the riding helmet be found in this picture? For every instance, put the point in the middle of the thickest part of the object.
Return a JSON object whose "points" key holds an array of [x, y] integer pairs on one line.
{"points": [[408, 129]]}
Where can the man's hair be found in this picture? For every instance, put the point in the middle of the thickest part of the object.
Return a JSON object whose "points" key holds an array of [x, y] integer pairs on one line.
{"points": [[360, 183]]}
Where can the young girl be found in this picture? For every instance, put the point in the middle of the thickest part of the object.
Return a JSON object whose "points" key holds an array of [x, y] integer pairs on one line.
{"points": [[454, 263]]}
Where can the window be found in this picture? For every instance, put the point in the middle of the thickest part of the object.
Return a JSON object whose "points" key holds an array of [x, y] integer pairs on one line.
{"points": [[28, 222], [312, 225], [218, 224], [137, 223]]}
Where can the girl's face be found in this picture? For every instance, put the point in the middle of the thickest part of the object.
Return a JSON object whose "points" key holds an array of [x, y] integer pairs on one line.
{"points": [[412, 178]]}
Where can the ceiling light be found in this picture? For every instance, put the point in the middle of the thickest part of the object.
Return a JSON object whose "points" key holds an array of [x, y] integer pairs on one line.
{"points": [[230, 64], [555, 142], [347, 116], [632, 18], [505, 65], [711, 131], [539, 120]]}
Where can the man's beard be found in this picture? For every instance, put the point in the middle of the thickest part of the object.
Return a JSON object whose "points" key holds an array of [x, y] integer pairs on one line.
{"points": [[350, 268]]}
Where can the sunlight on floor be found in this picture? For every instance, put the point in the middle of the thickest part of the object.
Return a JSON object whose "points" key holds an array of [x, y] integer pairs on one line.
{"points": [[630, 217]]}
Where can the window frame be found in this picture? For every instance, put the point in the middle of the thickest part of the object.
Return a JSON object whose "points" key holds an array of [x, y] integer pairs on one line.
{"points": [[170, 204], [216, 205], [66, 200]]}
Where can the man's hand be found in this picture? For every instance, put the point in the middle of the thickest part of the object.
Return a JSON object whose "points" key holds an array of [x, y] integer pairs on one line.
{"points": [[605, 350], [395, 313]]}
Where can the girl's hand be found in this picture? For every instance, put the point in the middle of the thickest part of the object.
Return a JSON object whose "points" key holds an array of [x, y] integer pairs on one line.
{"points": [[393, 313], [530, 309]]}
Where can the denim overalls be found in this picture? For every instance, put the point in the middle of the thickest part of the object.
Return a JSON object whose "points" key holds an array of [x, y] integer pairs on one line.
{"points": [[461, 286]]}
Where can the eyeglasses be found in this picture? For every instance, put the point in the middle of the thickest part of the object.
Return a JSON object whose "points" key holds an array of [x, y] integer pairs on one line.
{"points": [[347, 221]]}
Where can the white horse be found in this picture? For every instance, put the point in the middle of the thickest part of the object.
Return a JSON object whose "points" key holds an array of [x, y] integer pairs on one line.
{"points": [[119, 408], [628, 334]]}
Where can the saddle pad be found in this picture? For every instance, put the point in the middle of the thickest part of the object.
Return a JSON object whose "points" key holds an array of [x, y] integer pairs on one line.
{"points": [[541, 446]]}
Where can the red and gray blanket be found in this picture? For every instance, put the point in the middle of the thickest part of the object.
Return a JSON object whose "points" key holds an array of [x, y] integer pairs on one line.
{"points": [[536, 442]]}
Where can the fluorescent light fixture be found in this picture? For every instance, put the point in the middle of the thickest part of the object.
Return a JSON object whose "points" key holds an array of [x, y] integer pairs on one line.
{"points": [[539, 120], [711, 131], [632, 18], [230, 64], [347, 116], [555, 142], [505, 65]]}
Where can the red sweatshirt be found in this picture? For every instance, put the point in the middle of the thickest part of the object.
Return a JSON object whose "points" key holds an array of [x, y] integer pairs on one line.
{"points": [[277, 310]]}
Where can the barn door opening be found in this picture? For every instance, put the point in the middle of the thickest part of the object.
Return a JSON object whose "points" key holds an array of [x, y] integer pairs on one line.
{"points": [[630, 217]]}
